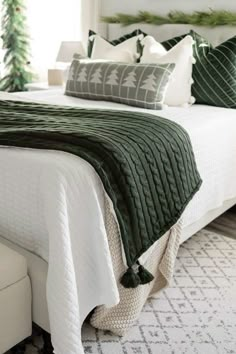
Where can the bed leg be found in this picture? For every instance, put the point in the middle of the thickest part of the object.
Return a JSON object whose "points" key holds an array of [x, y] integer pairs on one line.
{"points": [[47, 348]]}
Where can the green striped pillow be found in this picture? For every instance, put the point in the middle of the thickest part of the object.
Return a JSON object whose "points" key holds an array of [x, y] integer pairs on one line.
{"points": [[214, 73]]}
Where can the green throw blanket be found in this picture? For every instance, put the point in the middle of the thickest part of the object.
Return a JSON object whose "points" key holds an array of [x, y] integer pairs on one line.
{"points": [[146, 164]]}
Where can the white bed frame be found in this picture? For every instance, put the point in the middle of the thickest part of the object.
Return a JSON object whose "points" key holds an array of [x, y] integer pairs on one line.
{"points": [[38, 267]]}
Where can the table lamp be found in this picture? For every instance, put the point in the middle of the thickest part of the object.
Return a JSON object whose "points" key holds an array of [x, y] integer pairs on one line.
{"points": [[68, 49], [58, 74]]}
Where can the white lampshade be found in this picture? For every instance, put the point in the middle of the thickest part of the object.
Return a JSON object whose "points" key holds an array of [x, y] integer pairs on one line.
{"points": [[68, 49]]}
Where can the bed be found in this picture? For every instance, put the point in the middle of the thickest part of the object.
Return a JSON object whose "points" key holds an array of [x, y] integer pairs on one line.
{"points": [[39, 188]]}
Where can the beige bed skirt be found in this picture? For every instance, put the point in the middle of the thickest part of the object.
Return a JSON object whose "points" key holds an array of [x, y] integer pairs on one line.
{"points": [[160, 262]]}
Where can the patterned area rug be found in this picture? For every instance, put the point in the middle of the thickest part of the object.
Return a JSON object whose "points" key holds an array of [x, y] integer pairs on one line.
{"points": [[197, 314]]}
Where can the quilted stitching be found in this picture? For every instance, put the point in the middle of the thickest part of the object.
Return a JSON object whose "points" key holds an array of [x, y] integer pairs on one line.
{"points": [[146, 163]]}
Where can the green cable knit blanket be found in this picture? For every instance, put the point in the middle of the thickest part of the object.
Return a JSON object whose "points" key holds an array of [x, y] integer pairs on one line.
{"points": [[146, 164]]}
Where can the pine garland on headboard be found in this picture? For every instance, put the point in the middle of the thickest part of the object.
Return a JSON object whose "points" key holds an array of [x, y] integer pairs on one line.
{"points": [[198, 18]]}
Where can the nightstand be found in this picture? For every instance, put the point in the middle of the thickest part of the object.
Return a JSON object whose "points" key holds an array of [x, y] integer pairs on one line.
{"points": [[41, 86]]}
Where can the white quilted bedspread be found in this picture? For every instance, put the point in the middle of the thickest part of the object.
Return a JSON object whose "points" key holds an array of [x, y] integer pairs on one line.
{"points": [[52, 203]]}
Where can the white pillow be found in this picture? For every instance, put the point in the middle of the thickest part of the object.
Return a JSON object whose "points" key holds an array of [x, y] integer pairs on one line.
{"points": [[123, 52], [179, 89]]}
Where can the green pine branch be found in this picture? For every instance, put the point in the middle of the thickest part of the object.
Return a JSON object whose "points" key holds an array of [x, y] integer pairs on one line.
{"points": [[200, 18], [16, 43]]}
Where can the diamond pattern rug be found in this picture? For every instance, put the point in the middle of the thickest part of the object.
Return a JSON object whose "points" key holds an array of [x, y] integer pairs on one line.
{"points": [[197, 314]]}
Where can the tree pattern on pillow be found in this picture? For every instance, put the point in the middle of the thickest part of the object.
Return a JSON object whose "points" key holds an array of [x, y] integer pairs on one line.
{"points": [[130, 80], [97, 76], [113, 78], [141, 85]]}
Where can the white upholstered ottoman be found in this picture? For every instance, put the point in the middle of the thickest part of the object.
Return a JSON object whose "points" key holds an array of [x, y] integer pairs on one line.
{"points": [[15, 299]]}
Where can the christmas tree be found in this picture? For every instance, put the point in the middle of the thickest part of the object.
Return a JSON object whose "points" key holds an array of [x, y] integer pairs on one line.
{"points": [[97, 76], [113, 78], [130, 80], [82, 77], [16, 43], [71, 75], [149, 83]]}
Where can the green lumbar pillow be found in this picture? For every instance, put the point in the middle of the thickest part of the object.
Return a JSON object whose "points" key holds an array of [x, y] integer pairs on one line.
{"points": [[214, 73], [139, 85]]}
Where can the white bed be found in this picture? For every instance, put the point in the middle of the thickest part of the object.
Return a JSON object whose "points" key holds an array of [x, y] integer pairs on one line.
{"points": [[53, 209], [54, 195], [212, 132]]}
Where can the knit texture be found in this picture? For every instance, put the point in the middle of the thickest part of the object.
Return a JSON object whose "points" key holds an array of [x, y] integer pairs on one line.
{"points": [[146, 163], [140, 85]]}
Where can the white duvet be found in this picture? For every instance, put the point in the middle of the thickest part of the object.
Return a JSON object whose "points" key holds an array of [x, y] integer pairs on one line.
{"points": [[48, 195]]}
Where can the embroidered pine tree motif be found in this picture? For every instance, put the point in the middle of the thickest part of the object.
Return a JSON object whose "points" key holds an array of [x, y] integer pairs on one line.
{"points": [[82, 77], [113, 78], [149, 83], [130, 80], [97, 76], [72, 73]]}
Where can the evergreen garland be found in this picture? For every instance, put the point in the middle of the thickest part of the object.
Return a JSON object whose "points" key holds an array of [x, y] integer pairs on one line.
{"points": [[16, 43], [198, 18]]}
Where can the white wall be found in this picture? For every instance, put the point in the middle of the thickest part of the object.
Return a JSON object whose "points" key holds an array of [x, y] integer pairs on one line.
{"points": [[53, 21], [50, 22], [110, 7]]}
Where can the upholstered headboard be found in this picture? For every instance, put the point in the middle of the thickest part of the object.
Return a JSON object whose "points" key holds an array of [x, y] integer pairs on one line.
{"points": [[215, 35]]}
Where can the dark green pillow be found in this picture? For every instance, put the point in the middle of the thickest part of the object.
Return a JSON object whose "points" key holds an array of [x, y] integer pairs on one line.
{"points": [[201, 45], [170, 43], [116, 41], [214, 73], [215, 76]]}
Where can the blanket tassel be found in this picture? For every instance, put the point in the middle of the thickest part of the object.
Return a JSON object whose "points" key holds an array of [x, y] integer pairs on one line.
{"points": [[130, 279], [144, 275]]}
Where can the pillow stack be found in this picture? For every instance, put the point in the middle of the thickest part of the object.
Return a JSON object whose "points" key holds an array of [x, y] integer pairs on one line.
{"points": [[128, 49], [150, 84], [166, 71]]}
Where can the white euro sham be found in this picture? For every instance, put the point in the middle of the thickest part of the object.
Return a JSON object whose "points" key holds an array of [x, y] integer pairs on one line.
{"points": [[179, 90], [125, 52]]}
